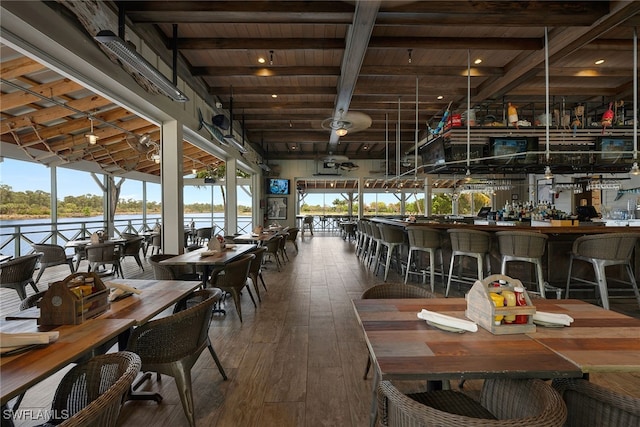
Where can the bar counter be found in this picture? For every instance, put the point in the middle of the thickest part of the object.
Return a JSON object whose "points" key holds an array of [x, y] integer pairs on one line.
{"points": [[559, 245]]}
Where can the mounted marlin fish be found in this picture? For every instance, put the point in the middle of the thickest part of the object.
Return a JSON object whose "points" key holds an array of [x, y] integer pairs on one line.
{"points": [[215, 133], [627, 191], [442, 122]]}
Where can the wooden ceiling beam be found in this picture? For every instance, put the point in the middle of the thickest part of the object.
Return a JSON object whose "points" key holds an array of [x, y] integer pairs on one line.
{"points": [[264, 71], [47, 90], [15, 68], [513, 13], [239, 12], [50, 114]]}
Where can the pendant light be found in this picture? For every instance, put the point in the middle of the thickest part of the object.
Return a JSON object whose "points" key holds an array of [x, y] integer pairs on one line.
{"points": [[92, 137]]}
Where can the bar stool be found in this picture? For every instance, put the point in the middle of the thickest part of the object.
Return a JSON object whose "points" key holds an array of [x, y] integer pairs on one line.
{"points": [[422, 239], [376, 237], [392, 238], [469, 243], [603, 250], [524, 246]]}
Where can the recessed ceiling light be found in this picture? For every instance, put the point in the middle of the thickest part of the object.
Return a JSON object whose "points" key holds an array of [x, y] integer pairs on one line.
{"points": [[478, 61], [600, 61], [274, 95], [440, 97], [261, 60]]}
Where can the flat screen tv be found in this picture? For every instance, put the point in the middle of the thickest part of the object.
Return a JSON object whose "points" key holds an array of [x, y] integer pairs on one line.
{"points": [[513, 150], [277, 186], [615, 150]]}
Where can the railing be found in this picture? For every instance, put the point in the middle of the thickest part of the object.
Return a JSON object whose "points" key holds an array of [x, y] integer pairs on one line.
{"points": [[16, 237]]}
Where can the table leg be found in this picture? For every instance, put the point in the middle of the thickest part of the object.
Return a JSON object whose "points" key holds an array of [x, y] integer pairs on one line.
{"points": [[374, 397]]}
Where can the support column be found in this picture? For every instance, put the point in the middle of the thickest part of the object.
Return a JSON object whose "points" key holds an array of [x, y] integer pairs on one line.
{"points": [[428, 190], [171, 175], [231, 209]]}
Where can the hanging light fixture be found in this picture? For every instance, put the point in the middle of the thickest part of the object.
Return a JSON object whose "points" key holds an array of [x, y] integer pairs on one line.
{"points": [[547, 172], [342, 131], [137, 62], [92, 137], [194, 170]]}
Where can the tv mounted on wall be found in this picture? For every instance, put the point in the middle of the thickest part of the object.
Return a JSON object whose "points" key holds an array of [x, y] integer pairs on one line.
{"points": [[615, 150], [513, 150], [277, 186]]}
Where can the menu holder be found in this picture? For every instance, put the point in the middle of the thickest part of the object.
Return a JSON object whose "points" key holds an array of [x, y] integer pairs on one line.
{"points": [[73, 300], [481, 309]]}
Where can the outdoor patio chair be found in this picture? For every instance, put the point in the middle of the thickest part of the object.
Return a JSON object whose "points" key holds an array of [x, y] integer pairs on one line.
{"points": [[52, 255], [17, 273]]}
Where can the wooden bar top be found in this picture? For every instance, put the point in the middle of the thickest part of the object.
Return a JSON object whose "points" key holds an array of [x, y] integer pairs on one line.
{"points": [[578, 230]]}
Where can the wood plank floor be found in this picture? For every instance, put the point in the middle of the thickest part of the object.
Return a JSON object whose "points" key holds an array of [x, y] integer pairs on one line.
{"points": [[296, 360]]}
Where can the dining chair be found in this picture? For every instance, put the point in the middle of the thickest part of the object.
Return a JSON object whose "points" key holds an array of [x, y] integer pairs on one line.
{"points": [[255, 269], [273, 248], [233, 279], [203, 235], [503, 402], [131, 248], [104, 254], [590, 404], [91, 393], [293, 237], [17, 273], [171, 345], [156, 244], [393, 291], [282, 247], [52, 255]]}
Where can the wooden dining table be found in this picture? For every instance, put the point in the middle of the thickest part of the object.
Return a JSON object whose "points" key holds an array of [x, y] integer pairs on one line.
{"points": [[22, 371], [258, 238], [403, 347], [218, 259]]}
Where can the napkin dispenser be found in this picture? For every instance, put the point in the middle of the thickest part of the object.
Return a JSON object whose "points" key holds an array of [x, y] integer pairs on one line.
{"points": [[482, 310], [80, 296]]}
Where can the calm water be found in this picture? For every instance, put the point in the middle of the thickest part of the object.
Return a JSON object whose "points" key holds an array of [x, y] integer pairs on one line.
{"points": [[40, 230]]}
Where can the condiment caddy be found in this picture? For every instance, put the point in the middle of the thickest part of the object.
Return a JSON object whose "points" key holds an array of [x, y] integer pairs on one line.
{"points": [[80, 296], [484, 306]]}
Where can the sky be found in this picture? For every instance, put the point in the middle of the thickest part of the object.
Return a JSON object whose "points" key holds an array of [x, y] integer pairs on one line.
{"points": [[24, 176]]}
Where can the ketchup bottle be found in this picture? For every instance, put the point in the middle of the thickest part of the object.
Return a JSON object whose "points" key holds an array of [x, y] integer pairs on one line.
{"points": [[520, 301]]}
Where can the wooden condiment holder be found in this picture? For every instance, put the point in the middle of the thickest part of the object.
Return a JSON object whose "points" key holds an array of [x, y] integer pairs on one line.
{"points": [[481, 309], [61, 306]]}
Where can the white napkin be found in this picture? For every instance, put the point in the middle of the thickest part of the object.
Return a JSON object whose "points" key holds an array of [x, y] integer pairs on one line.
{"points": [[452, 322], [214, 244], [555, 318], [22, 339], [124, 287], [208, 253]]}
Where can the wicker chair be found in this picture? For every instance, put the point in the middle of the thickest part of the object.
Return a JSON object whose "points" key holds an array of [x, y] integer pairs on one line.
{"points": [[171, 272], [31, 300], [503, 402], [233, 278], [103, 254], [255, 270], [203, 235], [171, 345], [17, 273], [602, 250], [293, 237], [273, 249], [91, 393], [131, 248], [392, 291], [52, 255], [589, 404], [282, 247]]}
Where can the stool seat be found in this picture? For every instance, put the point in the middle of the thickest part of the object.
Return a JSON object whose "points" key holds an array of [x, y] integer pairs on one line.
{"points": [[470, 243], [603, 250], [422, 239], [523, 246]]}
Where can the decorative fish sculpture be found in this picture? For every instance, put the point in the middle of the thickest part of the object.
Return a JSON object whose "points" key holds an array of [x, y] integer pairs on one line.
{"points": [[442, 123], [215, 134], [627, 191]]}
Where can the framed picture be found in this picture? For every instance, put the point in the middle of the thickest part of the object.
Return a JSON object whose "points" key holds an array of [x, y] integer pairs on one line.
{"points": [[514, 196], [277, 207]]}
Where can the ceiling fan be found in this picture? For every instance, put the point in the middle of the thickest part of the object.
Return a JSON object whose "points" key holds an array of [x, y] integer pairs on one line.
{"points": [[349, 122], [339, 162]]}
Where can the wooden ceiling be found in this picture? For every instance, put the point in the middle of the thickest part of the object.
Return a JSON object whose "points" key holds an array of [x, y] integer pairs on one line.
{"points": [[321, 57], [368, 56]]}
